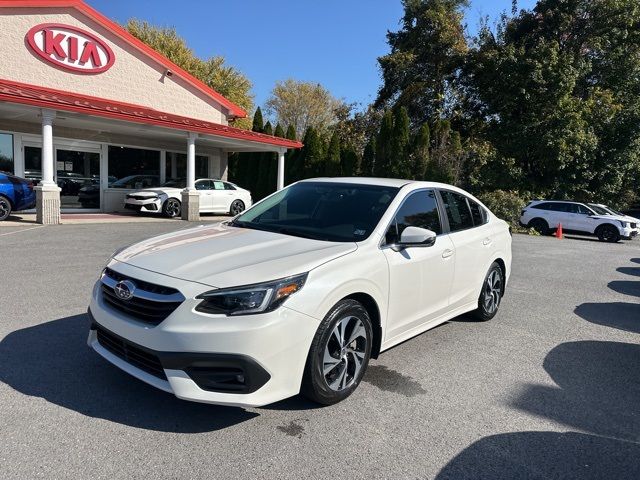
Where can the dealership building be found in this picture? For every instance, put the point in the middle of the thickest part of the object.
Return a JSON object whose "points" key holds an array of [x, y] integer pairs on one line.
{"points": [[86, 106]]}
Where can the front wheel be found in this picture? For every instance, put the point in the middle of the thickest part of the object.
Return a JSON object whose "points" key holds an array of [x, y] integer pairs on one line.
{"points": [[5, 208], [237, 207], [540, 225], [491, 294], [339, 354], [172, 208], [608, 233]]}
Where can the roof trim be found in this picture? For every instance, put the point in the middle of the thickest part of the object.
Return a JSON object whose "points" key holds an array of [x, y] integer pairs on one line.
{"points": [[233, 109], [33, 95]]}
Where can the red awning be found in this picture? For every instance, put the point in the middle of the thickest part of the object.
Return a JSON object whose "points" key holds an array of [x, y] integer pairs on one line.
{"points": [[25, 94]]}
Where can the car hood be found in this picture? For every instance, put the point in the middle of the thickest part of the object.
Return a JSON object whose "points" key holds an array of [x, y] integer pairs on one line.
{"points": [[224, 256], [622, 218], [152, 192]]}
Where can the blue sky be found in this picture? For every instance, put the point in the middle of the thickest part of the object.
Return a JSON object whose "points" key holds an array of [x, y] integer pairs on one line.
{"points": [[333, 42]]}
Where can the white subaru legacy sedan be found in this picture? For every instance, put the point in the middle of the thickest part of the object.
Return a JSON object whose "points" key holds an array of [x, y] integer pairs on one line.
{"points": [[297, 293]]}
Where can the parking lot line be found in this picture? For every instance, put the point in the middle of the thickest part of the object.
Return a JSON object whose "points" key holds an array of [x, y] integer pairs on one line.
{"points": [[19, 231]]}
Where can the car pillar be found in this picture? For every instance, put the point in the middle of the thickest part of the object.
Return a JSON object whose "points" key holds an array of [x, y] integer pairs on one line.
{"points": [[190, 196], [47, 192]]}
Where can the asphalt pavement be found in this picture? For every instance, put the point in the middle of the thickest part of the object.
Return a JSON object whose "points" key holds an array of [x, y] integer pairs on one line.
{"points": [[550, 388]]}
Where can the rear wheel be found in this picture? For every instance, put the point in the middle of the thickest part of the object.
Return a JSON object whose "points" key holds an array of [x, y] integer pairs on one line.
{"points": [[540, 225], [5, 208], [236, 207], [172, 208], [608, 233], [491, 294], [339, 354]]}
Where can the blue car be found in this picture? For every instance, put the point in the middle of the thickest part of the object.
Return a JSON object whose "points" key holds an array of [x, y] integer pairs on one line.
{"points": [[15, 194]]}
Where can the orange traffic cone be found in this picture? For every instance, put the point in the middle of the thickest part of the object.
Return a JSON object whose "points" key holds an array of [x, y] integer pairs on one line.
{"points": [[559, 231]]}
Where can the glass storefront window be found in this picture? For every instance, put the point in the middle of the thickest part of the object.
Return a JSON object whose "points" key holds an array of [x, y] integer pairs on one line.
{"points": [[33, 163], [176, 166], [133, 168], [6, 152], [78, 176]]}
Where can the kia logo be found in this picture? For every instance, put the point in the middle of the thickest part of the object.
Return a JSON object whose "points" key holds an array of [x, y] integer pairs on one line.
{"points": [[70, 48]]}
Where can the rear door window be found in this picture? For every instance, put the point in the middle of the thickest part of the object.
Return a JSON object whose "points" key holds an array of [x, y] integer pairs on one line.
{"points": [[478, 214], [458, 212]]}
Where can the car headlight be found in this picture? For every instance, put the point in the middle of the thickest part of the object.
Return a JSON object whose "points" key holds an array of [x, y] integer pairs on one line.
{"points": [[624, 224], [250, 299]]}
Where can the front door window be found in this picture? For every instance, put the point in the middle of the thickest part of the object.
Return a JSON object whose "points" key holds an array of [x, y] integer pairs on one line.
{"points": [[78, 176]]}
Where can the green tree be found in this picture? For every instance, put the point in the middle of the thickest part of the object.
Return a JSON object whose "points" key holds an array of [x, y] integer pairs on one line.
{"points": [[291, 165], [426, 56], [367, 166], [348, 161], [555, 91], [226, 80], [303, 105], [382, 166], [400, 161], [265, 184], [332, 166], [312, 155], [420, 152]]}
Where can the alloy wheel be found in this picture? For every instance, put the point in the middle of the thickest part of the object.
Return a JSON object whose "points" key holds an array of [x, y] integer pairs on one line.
{"points": [[172, 208], [344, 354], [492, 291], [237, 207], [5, 208]]}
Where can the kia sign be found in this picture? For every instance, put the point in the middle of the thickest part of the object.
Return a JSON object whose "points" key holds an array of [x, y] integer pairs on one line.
{"points": [[70, 48]]}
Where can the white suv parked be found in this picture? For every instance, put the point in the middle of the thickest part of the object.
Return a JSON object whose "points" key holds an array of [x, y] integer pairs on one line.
{"points": [[591, 219]]}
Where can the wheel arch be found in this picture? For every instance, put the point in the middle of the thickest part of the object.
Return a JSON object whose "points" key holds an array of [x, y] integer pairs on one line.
{"points": [[9, 199], [371, 306]]}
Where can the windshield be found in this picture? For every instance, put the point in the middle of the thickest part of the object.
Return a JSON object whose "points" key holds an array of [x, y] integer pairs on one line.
{"points": [[336, 212], [603, 210], [598, 209], [176, 183]]}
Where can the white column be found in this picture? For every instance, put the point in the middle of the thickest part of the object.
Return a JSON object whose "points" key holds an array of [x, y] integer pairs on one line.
{"points": [[281, 169], [47, 147], [224, 165], [191, 161]]}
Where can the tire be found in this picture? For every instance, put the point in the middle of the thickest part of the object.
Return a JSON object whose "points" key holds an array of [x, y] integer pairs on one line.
{"points": [[491, 294], [347, 360], [608, 233], [540, 225], [237, 207], [5, 208], [172, 208]]}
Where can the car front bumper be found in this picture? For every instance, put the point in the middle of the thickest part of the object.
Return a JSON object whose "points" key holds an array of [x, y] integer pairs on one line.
{"points": [[245, 361], [153, 205]]}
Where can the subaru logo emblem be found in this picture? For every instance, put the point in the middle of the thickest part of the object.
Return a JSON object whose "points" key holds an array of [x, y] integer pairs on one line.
{"points": [[124, 289]]}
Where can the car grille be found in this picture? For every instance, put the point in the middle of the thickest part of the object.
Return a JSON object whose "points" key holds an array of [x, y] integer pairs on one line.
{"points": [[151, 303], [130, 353], [140, 197], [634, 225]]}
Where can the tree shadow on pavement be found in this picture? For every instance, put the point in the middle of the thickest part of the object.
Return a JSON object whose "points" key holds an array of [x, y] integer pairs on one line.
{"points": [[52, 361], [625, 287], [621, 315], [633, 271], [598, 391]]}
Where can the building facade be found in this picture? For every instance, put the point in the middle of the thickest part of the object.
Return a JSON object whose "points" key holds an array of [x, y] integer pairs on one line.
{"points": [[89, 112]]}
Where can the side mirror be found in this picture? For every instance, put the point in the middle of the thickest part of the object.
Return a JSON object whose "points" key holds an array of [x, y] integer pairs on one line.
{"points": [[415, 237]]}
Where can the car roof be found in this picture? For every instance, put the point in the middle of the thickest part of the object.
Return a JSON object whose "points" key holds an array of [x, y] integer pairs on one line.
{"points": [[382, 182]]}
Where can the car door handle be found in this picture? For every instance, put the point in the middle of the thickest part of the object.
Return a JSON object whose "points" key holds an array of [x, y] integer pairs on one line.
{"points": [[447, 253], [487, 241]]}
